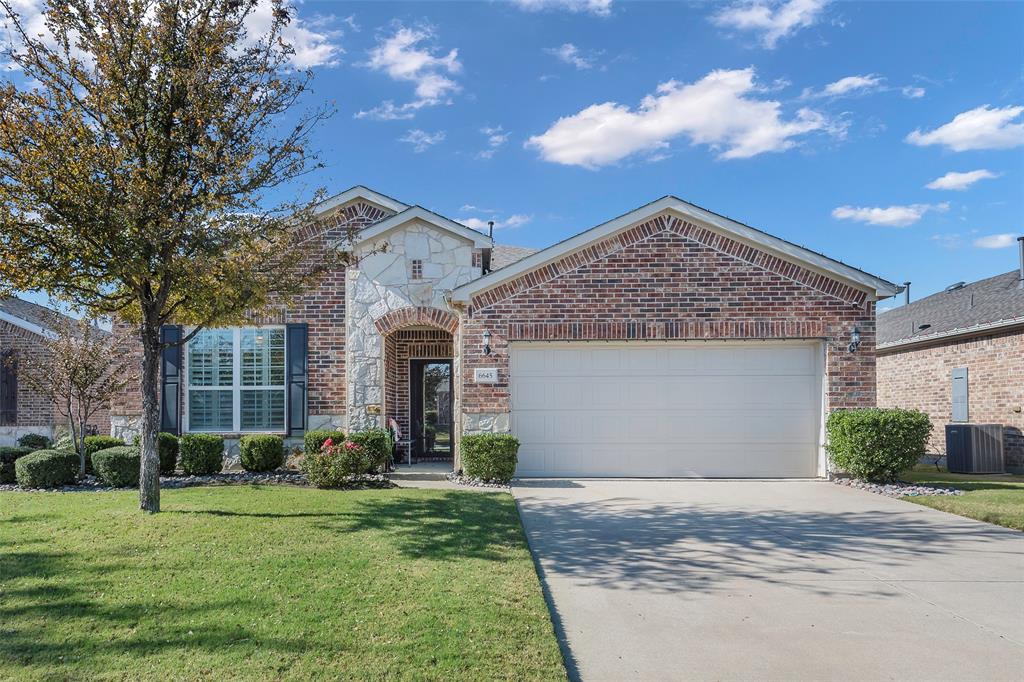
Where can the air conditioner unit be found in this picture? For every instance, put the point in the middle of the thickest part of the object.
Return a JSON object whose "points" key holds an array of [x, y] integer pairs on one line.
{"points": [[975, 449]]}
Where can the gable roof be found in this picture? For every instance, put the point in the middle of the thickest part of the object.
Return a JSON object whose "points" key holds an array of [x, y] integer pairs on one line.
{"points": [[990, 303], [360, 192], [29, 316], [876, 286], [479, 239]]}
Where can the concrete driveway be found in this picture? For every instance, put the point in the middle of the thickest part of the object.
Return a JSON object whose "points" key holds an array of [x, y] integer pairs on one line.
{"points": [[765, 580]]}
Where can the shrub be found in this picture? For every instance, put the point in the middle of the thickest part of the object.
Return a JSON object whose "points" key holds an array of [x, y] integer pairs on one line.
{"points": [[490, 456], [93, 444], [167, 447], [8, 456], [46, 469], [260, 452], [118, 466], [314, 440], [377, 446], [337, 464], [201, 454], [35, 441], [64, 443], [877, 444]]}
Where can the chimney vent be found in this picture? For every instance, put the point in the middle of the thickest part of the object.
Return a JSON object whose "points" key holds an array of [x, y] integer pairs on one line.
{"points": [[1020, 243], [906, 293], [490, 229]]}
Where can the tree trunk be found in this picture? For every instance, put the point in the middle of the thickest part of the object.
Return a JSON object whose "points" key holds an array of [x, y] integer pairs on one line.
{"points": [[149, 379]]}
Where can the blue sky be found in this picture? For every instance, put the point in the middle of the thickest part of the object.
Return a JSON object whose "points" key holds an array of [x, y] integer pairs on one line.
{"points": [[821, 123]]}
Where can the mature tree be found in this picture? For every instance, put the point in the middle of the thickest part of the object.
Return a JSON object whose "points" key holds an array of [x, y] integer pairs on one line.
{"points": [[79, 369], [139, 150]]}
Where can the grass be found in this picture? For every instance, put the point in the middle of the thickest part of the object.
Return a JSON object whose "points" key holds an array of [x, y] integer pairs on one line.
{"points": [[253, 582], [993, 498]]}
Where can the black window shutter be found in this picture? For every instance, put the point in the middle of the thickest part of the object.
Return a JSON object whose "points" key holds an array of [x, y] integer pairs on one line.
{"points": [[297, 377], [8, 389], [170, 380]]}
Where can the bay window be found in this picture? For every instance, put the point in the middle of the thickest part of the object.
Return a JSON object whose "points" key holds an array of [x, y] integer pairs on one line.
{"points": [[236, 380]]}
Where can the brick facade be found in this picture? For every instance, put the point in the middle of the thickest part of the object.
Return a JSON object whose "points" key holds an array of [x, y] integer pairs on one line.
{"points": [[669, 279], [400, 347], [920, 378], [35, 412]]}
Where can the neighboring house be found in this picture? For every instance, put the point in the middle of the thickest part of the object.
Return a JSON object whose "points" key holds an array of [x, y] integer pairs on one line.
{"points": [[959, 356], [23, 328], [670, 341]]}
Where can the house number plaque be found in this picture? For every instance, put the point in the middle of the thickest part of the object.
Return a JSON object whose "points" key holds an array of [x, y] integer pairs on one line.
{"points": [[485, 375]]}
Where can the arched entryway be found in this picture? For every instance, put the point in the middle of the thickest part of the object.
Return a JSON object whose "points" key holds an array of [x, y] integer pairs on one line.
{"points": [[419, 381]]}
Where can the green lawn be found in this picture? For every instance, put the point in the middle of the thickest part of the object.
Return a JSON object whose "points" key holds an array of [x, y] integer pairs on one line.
{"points": [[257, 582], [993, 498]]}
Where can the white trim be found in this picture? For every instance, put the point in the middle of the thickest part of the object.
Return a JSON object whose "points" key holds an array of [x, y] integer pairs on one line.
{"points": [[26, 325], [359, 192], [236, 386], [876, 286], [480, 240], [951, 333]]}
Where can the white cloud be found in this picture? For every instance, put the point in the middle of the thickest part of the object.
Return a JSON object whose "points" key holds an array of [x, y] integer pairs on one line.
{"points": [[996, 241], [403, 59], [771, 20], [721, 110], [513, 221], [912, 91], [851, 85], [601, 8], [891, 216], [981, 128], [421, 140], [496, 138], [948, 241], [960, 181], [570, 54]]}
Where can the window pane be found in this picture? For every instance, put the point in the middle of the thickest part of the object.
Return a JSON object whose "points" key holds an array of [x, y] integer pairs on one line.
{"points": [[210, 411], [263, 410], [210, 358], [262, 357]]}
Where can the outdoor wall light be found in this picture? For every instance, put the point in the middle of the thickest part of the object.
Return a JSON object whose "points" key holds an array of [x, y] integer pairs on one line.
{"points": [[487, 342], [854, 340]]}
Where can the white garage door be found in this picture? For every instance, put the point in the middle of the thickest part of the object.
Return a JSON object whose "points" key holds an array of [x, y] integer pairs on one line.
{"points": [[740, 409]]}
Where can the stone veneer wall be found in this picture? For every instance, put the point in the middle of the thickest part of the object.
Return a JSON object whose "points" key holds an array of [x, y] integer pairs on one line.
{"points": [[665, 279], [382, 285], [921, 379]]}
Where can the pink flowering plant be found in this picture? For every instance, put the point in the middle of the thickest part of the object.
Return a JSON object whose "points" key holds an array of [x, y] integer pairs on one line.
{"points": [[339, 463]]}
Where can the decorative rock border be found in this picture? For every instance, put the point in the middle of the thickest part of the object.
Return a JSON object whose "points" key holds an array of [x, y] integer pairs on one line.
{"points": [[476, 482], [896, 489], [91, 484]]}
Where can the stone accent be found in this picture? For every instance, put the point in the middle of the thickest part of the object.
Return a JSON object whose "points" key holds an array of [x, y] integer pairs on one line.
{"points": [[920, 378], [325, 422], [485, 422], [9, 435], [125, 427], [666, 279], [381, 294]]}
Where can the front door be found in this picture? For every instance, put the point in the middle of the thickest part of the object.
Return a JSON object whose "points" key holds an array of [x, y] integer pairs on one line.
{"points": [[430, 402]]}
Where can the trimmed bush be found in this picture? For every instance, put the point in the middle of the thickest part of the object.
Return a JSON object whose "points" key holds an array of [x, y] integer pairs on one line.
{"points": [[35, 441], [46, 469], [8, 456], [201, 454], [93, 444], [313, 441], [877, 444], [260, 452], [377, 448], [118, 466], [64, 443], [167, 447], [490, 456]]}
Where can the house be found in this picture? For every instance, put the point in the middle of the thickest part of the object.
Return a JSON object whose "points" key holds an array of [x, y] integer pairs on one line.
{"points": [[23, 328], [669, 341], [959, 356]]}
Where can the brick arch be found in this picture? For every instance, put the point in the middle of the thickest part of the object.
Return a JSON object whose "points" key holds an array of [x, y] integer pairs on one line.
{"points": [[416, 316]]}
